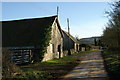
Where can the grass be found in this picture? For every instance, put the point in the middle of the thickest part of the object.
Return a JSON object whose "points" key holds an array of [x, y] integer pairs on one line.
{"points": [[51, 69], [112, 63]]}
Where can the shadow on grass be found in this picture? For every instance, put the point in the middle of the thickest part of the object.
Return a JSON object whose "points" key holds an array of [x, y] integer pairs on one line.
{"points": [[52, 69]]}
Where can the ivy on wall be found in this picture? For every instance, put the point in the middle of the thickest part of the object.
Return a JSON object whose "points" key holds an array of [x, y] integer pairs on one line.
{"points": [[44, 43]]}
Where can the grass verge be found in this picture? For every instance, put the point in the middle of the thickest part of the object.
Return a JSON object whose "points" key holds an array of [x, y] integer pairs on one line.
{"points": [[112, 64]]}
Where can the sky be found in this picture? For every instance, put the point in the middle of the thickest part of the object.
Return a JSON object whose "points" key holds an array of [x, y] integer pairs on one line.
{"points": [[87, 19]]}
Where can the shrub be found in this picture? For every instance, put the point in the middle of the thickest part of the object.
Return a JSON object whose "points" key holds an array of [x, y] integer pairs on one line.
{"points": [[9, 69]]}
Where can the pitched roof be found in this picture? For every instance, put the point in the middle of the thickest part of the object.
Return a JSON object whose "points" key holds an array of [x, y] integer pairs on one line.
{"points": [[26, 32], [75, 40]]}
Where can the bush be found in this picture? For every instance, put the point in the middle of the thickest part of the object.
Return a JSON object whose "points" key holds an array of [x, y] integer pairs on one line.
{"points": [[9, 69]]}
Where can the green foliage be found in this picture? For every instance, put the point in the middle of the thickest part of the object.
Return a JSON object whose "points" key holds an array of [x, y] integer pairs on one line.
{"points": [[112, 62], [111, 35], [44, 43]]}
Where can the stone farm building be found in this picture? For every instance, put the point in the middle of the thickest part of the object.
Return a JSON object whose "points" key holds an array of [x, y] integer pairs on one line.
{"points": [[69, 43], [40, 38]]}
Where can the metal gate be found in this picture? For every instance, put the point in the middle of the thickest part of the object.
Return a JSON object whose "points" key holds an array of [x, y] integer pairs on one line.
{"points": [[21, 56]]}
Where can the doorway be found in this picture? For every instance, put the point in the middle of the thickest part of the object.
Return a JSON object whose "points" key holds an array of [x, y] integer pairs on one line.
{"points": [[59, 50]]}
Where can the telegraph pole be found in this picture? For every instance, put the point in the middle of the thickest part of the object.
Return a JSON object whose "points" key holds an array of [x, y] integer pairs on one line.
{"points": [[68, 26], [57, 10], [69, 52]]}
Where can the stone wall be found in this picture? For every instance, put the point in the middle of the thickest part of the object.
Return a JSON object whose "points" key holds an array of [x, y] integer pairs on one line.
{"points": [[54, 50]]}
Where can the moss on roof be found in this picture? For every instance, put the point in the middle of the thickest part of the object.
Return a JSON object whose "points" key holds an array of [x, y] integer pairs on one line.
{"points": [[26, 32]]}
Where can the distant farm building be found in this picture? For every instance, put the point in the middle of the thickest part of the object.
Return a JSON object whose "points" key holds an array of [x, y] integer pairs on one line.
{"points": [[87, 43], [69, 43]]}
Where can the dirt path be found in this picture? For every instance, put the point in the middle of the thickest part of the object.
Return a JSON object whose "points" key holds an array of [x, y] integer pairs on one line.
{"points": [[90, 68]]}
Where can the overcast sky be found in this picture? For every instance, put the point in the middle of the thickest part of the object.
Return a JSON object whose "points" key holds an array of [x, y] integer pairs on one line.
{"points": [[87, 19]]}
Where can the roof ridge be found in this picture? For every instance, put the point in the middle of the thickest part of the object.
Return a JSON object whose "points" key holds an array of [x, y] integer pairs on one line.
{"points": [[30, 18]]}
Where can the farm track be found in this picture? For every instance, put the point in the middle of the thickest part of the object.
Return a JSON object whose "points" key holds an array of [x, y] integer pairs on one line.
{"points": [[91, 67]]}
